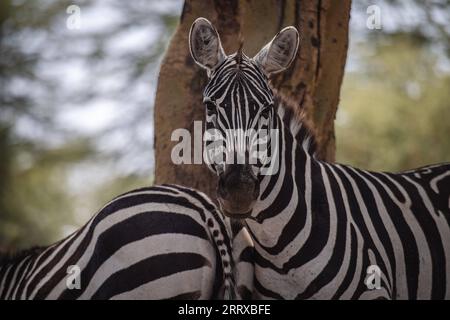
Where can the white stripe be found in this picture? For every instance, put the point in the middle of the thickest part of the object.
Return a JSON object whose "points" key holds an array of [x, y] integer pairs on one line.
{"points": [[435, 180], [368, 222], [358, 274], [443, 229], [5, 275], [425, 263], [36, 263], [22, 276], [107, 222], [266, 236], [102, 226], [270, 230], [140, 250], [298, 279], [42, 264], [173, 285], [12, 284], [328, 291], [374, 294], [401, 281]]}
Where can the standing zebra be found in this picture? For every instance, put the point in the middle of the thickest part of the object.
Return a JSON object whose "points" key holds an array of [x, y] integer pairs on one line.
{"points": [[319, 228], [153, 243]]}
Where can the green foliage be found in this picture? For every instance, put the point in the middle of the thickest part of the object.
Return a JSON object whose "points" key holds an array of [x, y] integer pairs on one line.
{"points": [[54, 175], [394, 112], [35, 199]]}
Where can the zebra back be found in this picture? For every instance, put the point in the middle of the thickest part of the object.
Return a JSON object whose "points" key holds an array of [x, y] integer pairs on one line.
{"points": [[152, 243]]}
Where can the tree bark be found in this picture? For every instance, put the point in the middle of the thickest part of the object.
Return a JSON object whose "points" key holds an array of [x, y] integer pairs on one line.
{"points": [[313, 81]]}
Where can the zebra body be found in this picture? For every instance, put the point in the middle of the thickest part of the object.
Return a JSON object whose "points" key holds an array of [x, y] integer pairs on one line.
{"points": [[319, 228], [162, 242]]}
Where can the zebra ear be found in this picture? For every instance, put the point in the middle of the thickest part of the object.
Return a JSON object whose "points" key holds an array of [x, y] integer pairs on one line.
{"points": [[204, 44], [279, 53]]}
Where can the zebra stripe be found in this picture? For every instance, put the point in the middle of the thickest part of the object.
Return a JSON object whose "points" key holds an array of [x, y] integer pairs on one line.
{"points": [[163, 242]]}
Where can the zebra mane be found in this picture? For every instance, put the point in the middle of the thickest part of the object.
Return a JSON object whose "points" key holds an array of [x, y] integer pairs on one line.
{"points": [[296, 120], [239, 52], [12, 257]]}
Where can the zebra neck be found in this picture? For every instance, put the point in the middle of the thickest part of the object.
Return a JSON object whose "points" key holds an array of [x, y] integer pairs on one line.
{"points": [[285, 197], [14, 270]]}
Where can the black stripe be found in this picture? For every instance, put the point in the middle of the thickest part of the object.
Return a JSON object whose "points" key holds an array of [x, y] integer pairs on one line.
{"points": [[244, 293], [247, 255], [117, 205], [283, 198], [332, 267], [362, 287], [411, 253], [135, 228], [148, 270], [193, 295], [8, 281], [434, 240], [352, 265], [320, 225], [216, 215], [45, 270], [378, 225], [266, 292], [20, 273]]}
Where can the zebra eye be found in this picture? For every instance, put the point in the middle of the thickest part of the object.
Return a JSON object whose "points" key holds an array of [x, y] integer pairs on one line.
{"points": [[210, 107]]}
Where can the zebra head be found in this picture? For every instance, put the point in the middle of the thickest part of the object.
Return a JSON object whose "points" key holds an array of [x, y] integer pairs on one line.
{"points": [[240, 113]]}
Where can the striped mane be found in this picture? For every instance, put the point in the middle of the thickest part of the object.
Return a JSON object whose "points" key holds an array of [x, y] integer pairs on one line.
{"points": [[239, 54], [295, 119], [12, 257]]}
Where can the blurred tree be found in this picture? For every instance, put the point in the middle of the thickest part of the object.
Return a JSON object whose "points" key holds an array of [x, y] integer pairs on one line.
{"points": [[74, 110], [313, 82], [394, 114], [30, 186]]}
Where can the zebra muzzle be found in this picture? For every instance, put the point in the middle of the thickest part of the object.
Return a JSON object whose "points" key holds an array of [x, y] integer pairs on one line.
{"points": [[237, 191]]}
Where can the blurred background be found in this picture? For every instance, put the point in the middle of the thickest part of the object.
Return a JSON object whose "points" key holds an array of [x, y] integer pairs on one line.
{"points": [[76, 104]]}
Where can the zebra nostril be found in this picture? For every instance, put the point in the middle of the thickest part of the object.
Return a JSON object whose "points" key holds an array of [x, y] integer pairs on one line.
{"points": [[236, 183]]}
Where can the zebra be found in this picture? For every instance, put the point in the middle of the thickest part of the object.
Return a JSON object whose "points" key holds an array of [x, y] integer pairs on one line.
{"points": [[321, 230], [159, 242]]}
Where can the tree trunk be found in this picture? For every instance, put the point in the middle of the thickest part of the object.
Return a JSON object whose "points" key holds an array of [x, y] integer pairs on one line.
{"points": [[313, 81]]}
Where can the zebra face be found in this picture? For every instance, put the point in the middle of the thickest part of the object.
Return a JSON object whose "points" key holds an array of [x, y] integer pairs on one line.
{"points": [[240, 114]]}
